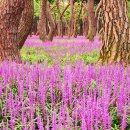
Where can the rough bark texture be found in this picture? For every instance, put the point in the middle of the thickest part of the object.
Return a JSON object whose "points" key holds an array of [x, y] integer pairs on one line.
{"points": [[91, 20], [116, 48], [10, 14], [98, 16], [26, 22]]}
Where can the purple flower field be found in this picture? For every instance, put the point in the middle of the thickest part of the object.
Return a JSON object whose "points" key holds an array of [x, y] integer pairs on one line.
{"points": [[63, 49], [84, 97], [74, 45], [74, 97]]}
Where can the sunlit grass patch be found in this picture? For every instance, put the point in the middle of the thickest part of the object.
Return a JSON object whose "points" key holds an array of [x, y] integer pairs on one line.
{"points": [[34, 55]]}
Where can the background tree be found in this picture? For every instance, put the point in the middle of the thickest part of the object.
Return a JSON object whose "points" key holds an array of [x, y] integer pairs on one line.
{"points": [[46, 20], [60, 16], [85, 19], [70, 25], [92, 21], [42, 20]]}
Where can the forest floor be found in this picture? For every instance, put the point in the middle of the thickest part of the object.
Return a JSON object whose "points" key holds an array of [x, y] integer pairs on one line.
{"points": [[61, 51]]}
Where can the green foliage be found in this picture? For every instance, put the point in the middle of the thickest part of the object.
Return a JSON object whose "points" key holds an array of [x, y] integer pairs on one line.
{"points": [[55, 11], [90, 58], [33, 55], [67, 13], [38, 55], [115, 120], [36, 7], [51, 1]]}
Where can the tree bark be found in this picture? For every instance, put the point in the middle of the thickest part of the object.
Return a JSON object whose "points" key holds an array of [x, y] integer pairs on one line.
{"points": [[116, 48], [43, 20], [10, 14], [59, 23], [26, 22], [70, 27], [76, 17], [51, 24], [46, 21], [85, 19], [91, 20]]}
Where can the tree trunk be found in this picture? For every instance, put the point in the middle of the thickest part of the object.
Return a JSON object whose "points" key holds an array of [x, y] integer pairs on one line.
{"points": [[70, 27], [115, 32], [51, 24], [26, 22], [60, 28], [43, 20], [85, 19], [75, 33], [76, 17], [81, 28], [91, 20], [10, 14], [46, 20], [59, 23]]}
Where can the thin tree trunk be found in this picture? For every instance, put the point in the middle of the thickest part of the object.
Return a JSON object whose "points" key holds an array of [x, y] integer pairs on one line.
{"points": [[91, 20], [46, 21], [10, 15], [70, 27], [59, 23], [51, 24], [43, 20], [60, 15], [115, 32], [85, 19], [26, 22]]}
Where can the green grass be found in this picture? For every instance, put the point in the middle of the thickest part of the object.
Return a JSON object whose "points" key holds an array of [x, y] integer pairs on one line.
{"points": [[38, 55], [33, 55]]}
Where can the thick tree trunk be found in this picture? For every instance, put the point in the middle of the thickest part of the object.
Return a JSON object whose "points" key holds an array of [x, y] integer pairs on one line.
{"points": [[91, 20], [115, 32], [26, 22], [10, 14]]}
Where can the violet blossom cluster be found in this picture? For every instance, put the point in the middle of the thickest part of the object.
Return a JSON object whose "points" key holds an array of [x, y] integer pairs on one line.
{"points": [[77, 45], [81, 97]]}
